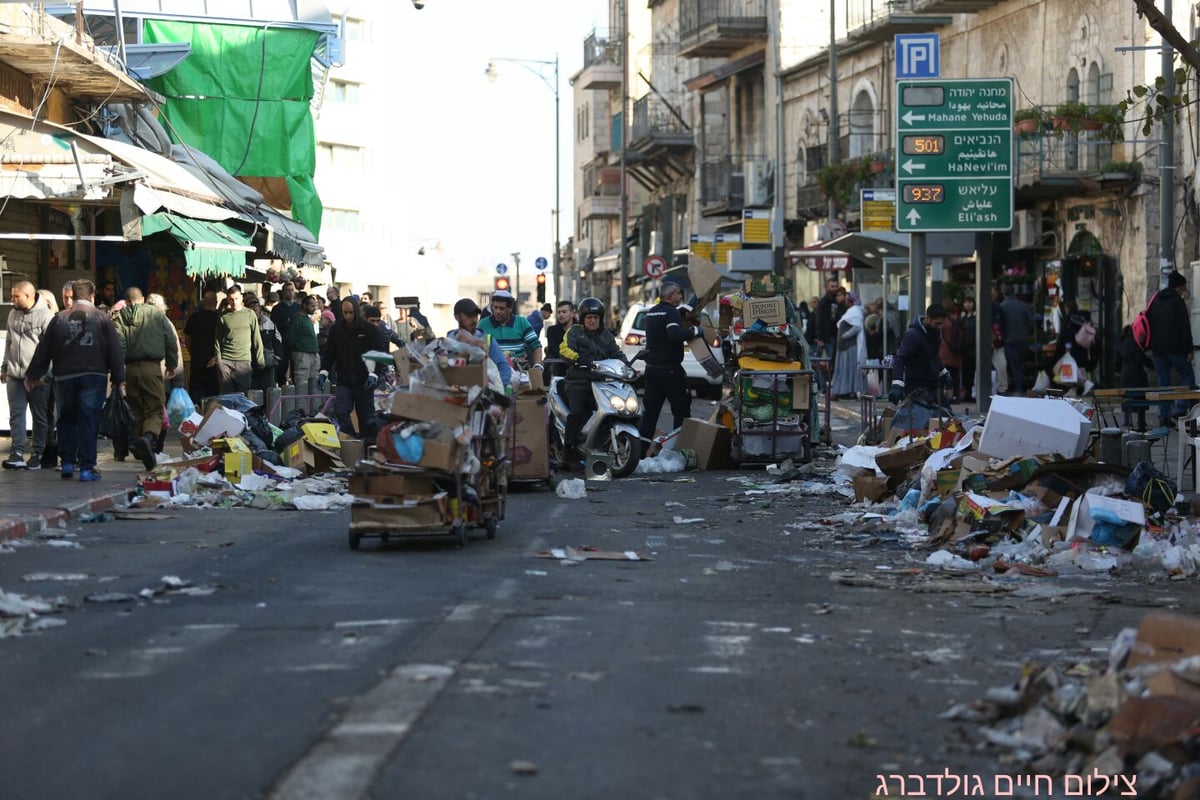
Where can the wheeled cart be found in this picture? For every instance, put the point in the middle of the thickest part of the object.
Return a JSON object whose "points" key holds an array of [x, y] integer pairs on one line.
{"points": [[460, 482], [775, 413]]}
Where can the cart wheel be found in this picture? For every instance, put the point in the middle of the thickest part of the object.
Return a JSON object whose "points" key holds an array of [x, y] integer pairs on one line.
{"points": [[491, 527], [355, 539], [460, 535]]}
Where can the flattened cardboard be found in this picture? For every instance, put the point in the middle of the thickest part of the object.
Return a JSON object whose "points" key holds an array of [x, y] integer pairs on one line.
{"points": [[530, 453], [704, 277], [899, 460], [469, 375], [705, 357], [870, 488], [365, 484], [427, 408]]}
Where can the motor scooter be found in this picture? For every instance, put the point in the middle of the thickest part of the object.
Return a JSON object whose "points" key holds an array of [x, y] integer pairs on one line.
{"points": [[612, 428]]}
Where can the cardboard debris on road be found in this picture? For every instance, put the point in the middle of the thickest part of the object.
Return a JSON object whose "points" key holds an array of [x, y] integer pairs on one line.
{"points": [[580, 553]]}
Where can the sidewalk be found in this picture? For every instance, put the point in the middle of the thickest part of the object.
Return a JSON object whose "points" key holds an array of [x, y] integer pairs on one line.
{"points": [[33, 501]]}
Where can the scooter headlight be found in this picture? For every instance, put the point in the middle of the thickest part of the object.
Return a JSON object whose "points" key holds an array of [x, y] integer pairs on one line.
{"points": [[631, 405], [617, 403]]}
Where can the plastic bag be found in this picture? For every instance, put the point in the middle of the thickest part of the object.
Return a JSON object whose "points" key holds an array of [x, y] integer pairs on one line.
{"points": [[1086, 335], [1066, 371], [179, 406], [1042, 383], [1151, 486], [116, 420]]}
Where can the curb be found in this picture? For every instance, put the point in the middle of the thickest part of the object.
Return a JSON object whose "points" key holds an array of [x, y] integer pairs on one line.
{"points": [[21, 526]]}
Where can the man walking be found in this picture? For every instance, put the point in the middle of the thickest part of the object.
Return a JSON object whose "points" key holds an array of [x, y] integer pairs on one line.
{"points": [[27, 322], [282, 315], [147, 340], [1019, 326], [513, 333], [664, 379], [1171, 341], [306, 354], [239, 346], [85, 350], [201, 332]]}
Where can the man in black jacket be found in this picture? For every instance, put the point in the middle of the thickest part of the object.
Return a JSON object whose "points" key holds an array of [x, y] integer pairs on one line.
{"points": [[665, 380], [916, 365], [1171, 340]]}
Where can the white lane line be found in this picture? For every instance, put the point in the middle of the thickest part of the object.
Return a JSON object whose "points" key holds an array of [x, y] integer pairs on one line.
{"points": [[369, 623]]}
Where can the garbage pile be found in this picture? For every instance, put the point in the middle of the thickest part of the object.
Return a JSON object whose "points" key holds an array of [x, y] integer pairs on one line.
{"points": [[1125, 728], [1017, 493]]}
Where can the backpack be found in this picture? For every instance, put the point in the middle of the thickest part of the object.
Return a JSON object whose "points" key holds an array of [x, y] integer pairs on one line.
{"points": [[1086, 335], [1141, 326]]}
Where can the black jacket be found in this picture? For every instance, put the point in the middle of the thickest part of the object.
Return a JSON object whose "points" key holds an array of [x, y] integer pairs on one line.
{"points": [[916, 361], [346, 345], [554, 339], [827, 317], [1132, 363], [1170, 325], [665, 336]]}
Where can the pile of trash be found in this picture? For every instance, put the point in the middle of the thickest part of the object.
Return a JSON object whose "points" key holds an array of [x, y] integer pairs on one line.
{"points": [[1018, 493], [1125, 728]]}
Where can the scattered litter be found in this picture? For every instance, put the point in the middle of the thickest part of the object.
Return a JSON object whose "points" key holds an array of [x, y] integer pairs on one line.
{"points": [[313, 502], [38, 577], [571, 489], [523, 767], [666, 461], [66, 543], [110, 597], [947, 560], [687, 520], [102, 516], [579, 553]]}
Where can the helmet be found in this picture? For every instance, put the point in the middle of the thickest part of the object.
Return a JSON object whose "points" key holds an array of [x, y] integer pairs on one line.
{"points": [[505, 295], [590, 305]]}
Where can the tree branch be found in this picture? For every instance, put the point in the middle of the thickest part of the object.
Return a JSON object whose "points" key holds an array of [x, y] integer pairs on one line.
{"points": [[1173, 37]]}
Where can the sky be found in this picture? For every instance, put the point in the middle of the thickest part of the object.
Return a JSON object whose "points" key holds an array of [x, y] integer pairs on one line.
{"points": [[479, 164]]}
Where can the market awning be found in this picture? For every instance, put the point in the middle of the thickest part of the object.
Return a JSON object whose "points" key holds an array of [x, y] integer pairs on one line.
{"points": [[209, 248], [869, 248], [290, 240], [607, 261]]}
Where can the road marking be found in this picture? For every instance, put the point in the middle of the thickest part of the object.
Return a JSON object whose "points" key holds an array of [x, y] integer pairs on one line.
{"points": [[344, 763], [316, 668], [369, 623]]}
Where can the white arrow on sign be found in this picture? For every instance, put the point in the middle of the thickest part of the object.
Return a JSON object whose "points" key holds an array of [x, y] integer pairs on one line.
{"points": [[910, 117], [912, 216], [910, 165]]}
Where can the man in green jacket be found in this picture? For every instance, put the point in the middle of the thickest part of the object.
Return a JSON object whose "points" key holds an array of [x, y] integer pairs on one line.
{"points": [[306, 354], [147, 339], [239, 345]]}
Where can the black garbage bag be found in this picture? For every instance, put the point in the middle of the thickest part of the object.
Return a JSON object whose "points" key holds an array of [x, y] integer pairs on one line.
{"points": [[1150, 485], [294, 418], [116, 420], [289, 435], [258, 424], [374, 425], [252, 441], [238, 402]]}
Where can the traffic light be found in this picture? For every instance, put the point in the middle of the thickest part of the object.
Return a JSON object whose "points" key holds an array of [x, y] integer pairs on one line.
{"points": [[502, 284], [541, 287]]}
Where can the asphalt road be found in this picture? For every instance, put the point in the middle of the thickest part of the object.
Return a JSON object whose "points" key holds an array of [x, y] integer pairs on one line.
{"points": [[759, 653]]}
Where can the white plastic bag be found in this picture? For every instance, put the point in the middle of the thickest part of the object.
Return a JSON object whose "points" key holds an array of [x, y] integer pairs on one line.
{"points": [[1066, 371], [572, 489], [1042, 383]]}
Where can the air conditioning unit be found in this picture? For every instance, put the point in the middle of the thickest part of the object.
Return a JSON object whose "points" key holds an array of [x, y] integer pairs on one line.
{"points": [[1027, 229], [735, 197], [760, 179], [656, 243]]}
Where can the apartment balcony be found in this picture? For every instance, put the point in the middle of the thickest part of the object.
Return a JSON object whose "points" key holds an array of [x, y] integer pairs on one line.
{"points": [[601, 185], [720, 28], [954, 6], [811, 202], [881, 20], [729, 184], [1068, 164], [601, 62], [661, 143]]}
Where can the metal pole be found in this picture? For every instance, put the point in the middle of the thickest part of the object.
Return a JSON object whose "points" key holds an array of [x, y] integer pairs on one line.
{"points": [[1166, 161], [834, 156], [516, 283], [916, 275], [779, 206], [557, 189], [623, 258]]}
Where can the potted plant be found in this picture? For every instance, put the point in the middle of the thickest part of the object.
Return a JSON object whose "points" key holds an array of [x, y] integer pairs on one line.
{"points": [[838, 181], [1111, 120], [1070, 116], [1107, 119], [1131, 168], [1029, 121]]}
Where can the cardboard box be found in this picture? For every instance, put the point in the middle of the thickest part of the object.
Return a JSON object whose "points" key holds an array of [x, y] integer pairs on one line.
{"points": [[772, 310], [704, 277], [441, 452], [705, 357], [801, 392], [870, 489], [385, 517], [311, 459], [404, 366], [988, 513], [710, 442], [321, 434], [1083, 524], [763, 344], [1167, 636], [428, 408], [530, 451], [237, 460], [219, 422], [899, 460], [469, 375], [1029, 426], [367, 484]]}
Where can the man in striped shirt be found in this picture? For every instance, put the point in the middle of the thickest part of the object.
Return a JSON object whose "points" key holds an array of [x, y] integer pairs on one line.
{"points": [[512, 332]]}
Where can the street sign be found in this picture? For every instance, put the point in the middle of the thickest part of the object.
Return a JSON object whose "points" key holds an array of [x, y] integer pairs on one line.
{"points": [[654, 266], [541, 263], [918, 55], [878, 209], [502, 269], [954, 155]]}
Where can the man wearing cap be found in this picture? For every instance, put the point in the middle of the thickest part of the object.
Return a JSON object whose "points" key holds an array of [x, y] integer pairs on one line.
{"points": [[466, 314], [1171, 340], [916, 366], [513, 333]]}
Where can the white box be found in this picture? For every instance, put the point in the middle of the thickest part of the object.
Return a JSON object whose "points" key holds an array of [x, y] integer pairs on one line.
{"points": [[219, 423], [1033, 426], [1080, 527]]}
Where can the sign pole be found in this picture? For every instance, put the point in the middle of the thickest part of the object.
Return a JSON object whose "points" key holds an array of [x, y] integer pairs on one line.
{"points": [[916, 275]]}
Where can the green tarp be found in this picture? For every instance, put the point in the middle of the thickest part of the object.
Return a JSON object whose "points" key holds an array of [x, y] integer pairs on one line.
{"points": [[243, 97], [209, 248]]}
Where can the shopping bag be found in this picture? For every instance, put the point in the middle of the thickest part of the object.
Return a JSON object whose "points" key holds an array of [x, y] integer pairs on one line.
{"points": [[1086, 335], [1066, 371], [179, 406], [1000, 364], [1042, 383], [116, 420]]}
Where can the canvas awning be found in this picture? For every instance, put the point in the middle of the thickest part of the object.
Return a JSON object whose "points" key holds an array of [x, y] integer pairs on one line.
{"points": [[209, 248], [869, 248]]}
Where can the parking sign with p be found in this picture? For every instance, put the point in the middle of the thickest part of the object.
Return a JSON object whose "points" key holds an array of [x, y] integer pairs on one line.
{"points": [[918, 55]]}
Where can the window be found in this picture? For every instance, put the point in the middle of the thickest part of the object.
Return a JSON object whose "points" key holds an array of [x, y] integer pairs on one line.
{"points": [[340, 219], [344, 92]]}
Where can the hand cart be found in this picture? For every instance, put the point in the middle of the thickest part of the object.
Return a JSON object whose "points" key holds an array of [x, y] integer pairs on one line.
{"points": [[455, 486], [775, 415]]}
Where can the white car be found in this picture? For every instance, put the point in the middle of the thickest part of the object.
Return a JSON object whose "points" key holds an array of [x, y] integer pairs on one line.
{"points": [[632, 338]]}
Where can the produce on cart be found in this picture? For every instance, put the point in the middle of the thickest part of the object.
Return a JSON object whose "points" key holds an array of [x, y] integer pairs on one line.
{"points": [[440, 465]]}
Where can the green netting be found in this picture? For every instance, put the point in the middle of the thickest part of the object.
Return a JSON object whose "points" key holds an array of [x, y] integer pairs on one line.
{"points": [[242, 96]]}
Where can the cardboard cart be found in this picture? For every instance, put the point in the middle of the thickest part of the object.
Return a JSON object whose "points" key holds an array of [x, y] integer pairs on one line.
{"points": [[529, 432], [775, 412], [456, 478]]}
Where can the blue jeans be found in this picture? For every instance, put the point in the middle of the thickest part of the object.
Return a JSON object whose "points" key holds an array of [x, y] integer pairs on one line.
{"points": [[80, 400], [1014, 353], [1163, 366]]}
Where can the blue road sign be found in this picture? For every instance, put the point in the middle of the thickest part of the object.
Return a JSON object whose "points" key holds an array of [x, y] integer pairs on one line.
{"points": [[501, 269], [541, 263], [918, 55]]}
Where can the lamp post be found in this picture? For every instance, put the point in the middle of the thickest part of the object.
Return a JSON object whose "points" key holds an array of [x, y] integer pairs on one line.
{"points": [[539, 70]]}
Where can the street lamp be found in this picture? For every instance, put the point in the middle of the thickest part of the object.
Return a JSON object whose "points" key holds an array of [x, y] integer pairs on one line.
{"points": [[539, 70]]}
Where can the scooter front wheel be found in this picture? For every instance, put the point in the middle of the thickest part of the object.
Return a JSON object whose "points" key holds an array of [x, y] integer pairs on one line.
{"points": [[626, 455]]}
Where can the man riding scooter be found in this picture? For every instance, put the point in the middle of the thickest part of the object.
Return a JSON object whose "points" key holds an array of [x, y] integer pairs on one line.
{"points": [[585, 344]]}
